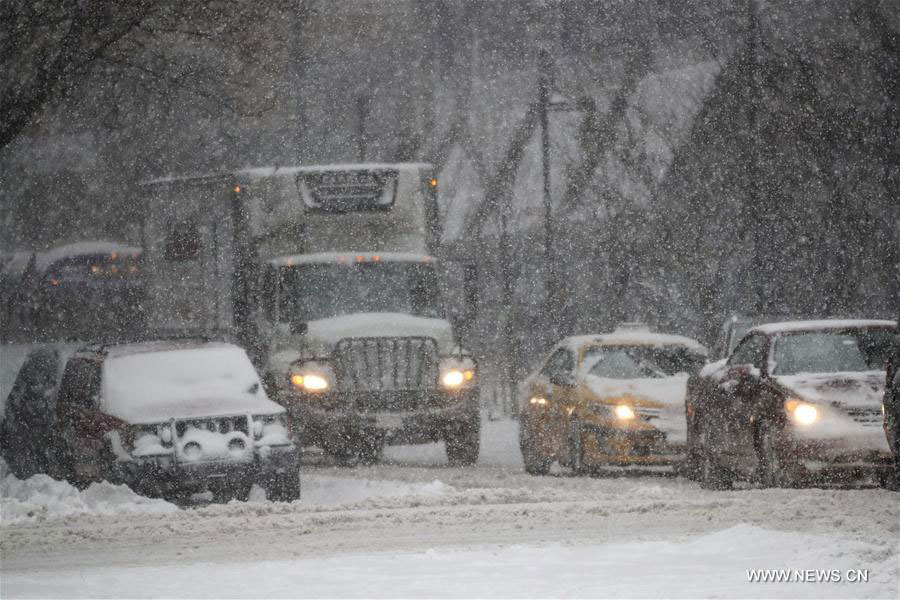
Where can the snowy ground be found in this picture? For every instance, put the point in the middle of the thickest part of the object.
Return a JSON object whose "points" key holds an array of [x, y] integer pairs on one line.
{"points": [[415, 527]]}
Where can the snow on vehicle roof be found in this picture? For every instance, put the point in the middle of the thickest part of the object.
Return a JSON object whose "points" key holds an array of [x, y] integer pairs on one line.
{"points": [[770, 328], [154, 382], [270, 171], [348, 257], [261, 172], [45, 259], [633, 337]]}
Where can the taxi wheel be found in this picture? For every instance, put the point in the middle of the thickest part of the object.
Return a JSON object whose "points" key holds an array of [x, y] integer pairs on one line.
{"points": [[535, 464], [576, 447]]}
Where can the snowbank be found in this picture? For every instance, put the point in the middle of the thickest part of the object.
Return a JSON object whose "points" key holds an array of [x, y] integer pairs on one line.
{"points": [[41, 497]]}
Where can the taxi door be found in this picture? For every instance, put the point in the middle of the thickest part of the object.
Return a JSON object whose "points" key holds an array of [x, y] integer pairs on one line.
{"points": [[558, 381]]}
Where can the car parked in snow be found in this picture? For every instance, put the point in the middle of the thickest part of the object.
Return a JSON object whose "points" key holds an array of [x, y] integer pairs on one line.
{"points": [[167, 418], [612, 399], [793, 400]]}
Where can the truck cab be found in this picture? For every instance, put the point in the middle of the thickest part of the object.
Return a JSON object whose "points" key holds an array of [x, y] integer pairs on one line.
{"points": [[331, 276]]}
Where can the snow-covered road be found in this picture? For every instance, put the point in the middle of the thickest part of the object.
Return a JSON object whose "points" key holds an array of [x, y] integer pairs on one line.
{"points": [[416, 527]]}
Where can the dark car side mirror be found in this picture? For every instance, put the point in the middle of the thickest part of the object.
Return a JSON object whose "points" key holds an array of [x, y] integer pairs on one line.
{"points": [[562, 379], [744, 374]]}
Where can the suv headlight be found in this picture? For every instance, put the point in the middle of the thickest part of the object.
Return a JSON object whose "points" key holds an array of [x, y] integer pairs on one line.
{"points": [[272, 430], [457, 373], [311, 376]]}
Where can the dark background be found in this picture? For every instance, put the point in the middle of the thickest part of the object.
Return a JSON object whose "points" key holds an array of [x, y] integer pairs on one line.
{"points": [[712, 157]]}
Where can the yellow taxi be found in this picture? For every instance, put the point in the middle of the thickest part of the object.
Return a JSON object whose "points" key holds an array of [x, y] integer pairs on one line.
{"points": [[610, 399]]}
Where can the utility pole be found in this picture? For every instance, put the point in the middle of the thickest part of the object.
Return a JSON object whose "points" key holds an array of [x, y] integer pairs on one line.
{"points": [[544, 86], [362, 109], [756, 214]]}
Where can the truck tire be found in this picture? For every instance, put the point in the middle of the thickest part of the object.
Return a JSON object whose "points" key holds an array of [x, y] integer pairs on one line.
{"points": [[284, 487], [463, 443]]}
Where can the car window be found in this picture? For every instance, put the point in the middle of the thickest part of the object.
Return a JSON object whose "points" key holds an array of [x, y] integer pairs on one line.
{"points": [[827, 352], [618, 363], [751, 351], [80, 384], [560, 362]]}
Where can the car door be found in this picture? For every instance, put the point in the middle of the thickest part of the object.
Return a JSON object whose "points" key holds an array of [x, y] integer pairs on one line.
{"points": [[81, 426], [559, 385], [739, 391]]}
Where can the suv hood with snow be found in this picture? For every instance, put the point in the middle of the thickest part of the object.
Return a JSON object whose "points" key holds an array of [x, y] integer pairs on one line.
{"points": [[845, 390]]}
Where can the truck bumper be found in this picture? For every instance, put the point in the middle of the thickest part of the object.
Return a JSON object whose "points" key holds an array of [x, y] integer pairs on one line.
{"points": [[349, 417]]}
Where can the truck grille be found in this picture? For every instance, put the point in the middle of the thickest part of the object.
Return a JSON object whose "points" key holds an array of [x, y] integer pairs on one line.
{"points": [[221, 425], [867, 417], [386, 364]]}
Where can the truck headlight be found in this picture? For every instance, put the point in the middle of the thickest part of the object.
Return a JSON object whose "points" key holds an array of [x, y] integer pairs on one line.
{"points": [[453, 379], [311, 377], [457, 372], [309, 382], [802, 413]]}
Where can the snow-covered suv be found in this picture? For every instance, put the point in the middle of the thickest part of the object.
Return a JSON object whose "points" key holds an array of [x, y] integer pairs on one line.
{"points": [[172, 418]]}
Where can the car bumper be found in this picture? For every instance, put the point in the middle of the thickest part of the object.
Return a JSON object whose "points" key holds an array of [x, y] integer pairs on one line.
{"points": [[623, 447], [318, 418], [863, 449], [164, 474]]}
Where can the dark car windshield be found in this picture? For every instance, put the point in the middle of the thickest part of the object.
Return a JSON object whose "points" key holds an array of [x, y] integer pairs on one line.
{"points": [[318, 291], [831, 351], [637, 362]]}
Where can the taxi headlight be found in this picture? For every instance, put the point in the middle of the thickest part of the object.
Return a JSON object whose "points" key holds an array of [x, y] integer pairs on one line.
{"points": [[802, 413], [624, 412]]}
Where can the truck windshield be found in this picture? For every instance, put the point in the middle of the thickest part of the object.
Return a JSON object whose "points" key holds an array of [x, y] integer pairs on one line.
{"points": [[318, 291]]}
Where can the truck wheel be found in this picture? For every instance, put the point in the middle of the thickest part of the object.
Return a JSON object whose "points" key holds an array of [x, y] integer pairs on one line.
{"points": [[463, 443], [535, 464], [284, 487]]}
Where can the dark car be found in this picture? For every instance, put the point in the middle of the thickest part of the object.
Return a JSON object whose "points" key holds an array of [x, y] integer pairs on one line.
{"points": [[90, 289], [891, 407], [168, 418], [794, 400]]}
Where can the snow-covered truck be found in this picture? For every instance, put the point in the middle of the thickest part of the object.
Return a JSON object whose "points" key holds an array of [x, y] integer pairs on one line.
{"points": [[330, 276]]}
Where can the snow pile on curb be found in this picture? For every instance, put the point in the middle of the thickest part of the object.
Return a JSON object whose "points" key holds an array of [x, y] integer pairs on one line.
{"points": [[332, 490], [41, 497]]}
